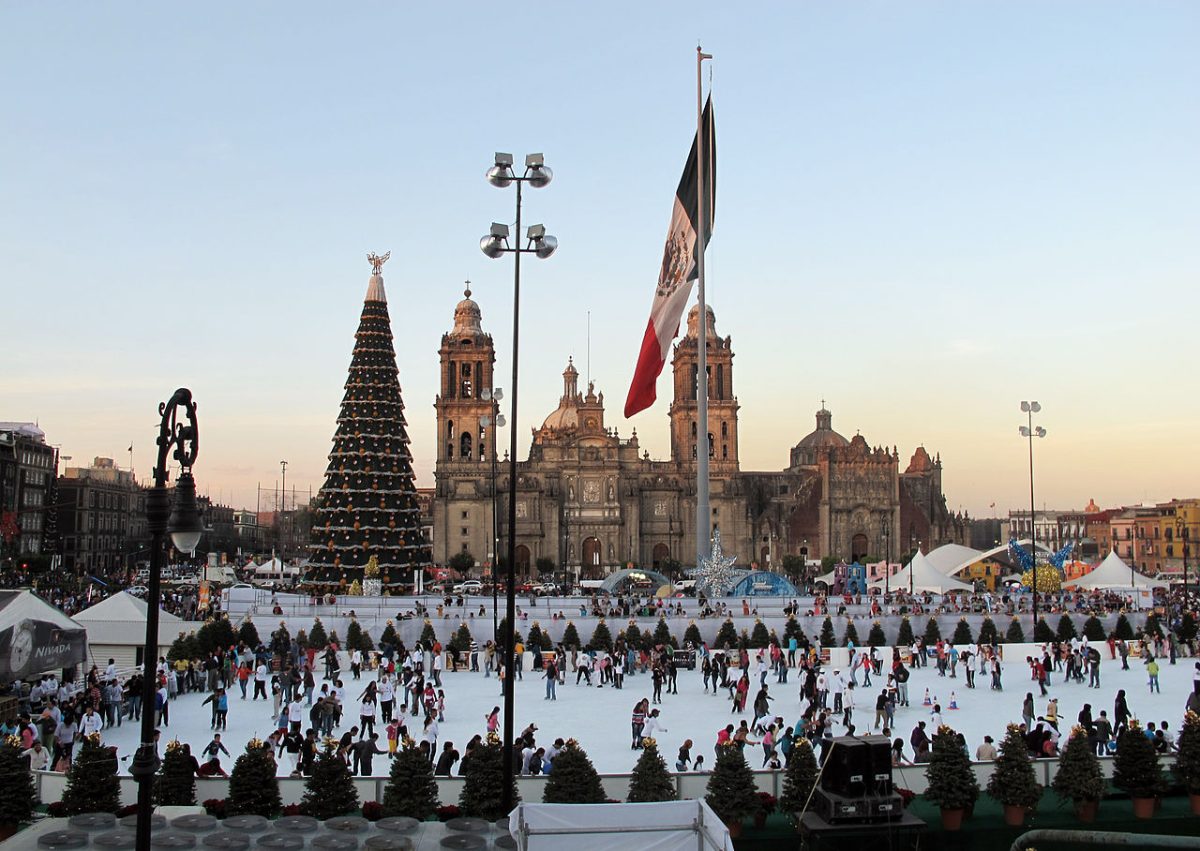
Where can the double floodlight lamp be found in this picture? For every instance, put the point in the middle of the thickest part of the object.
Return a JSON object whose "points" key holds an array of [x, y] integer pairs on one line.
{"points": [[1030, 407], [537, 173], [1037, 432], [495, 244]]}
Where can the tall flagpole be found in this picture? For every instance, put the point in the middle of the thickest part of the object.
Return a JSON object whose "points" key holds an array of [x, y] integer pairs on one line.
{"points": [[703, 513]]}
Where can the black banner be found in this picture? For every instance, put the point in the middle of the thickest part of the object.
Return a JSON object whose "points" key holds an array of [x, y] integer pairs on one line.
{"points": [[35, 647]]}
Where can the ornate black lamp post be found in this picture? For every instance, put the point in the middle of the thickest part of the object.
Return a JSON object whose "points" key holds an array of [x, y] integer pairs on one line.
{"points": [[1030, 432], [495, 245], [179, 440]]}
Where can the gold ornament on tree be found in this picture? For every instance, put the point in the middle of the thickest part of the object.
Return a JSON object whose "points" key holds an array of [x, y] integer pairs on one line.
{"points": [[372, 569]]}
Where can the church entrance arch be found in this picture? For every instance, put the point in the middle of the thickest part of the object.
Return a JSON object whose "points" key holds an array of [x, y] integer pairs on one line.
{"points": [[591, 558], [858, 548], [522, 559], [660, 556]]}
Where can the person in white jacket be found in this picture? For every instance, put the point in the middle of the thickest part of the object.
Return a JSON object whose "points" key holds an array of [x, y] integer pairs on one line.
{"points": [[91, 722], [653, 725]]}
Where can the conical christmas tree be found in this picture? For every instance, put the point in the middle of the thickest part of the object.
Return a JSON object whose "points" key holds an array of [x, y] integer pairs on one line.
{"points": [[411, 790], [330, 790], [799, 778], [176, 781], [483, 790], [573, 778], [368, 505], [253, 786], [17, 795], [92, 783], [650, 780]]}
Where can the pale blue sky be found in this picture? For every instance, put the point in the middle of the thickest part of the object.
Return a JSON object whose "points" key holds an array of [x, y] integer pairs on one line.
{"points": [[927, 212]]}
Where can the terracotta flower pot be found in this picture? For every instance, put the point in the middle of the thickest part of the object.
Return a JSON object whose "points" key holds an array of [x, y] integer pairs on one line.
{"points": [[1195, 799], [952, 819], [735, 828], [1014, 815], [1143, 807], [760, 820], [1085, 811], [7, 829]]}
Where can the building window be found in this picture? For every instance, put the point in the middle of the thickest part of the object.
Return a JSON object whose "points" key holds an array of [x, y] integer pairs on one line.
{"points": [[464, 531], [464, 515]]}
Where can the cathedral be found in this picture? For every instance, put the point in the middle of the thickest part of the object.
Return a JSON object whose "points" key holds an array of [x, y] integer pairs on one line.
{"points": [[590, 501]]}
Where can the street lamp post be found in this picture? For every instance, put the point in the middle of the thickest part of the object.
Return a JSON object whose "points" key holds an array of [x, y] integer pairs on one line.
{"points": [[495, 245], [181, 441], [1181, 538], [1028, 431], [279, 508], [496, 418], [887, 559]]}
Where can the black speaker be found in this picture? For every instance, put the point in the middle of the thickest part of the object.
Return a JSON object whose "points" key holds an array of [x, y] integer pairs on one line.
{"points": [[879, 765], [847, 767], [864, 809]]}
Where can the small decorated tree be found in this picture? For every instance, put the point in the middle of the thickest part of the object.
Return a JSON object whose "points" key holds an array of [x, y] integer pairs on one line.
{"points": [[792, 629], [175, 785], [462, 638], [1016, 633], [1042, 631], [573, 778], [601, 638], [650, 780], [248, 633], [662, 634], [537, 639], [633, 636], [828, 637], [727, 636], [731, 792], [1135, 766], [17, 795], [358, 638], [329, 791], [570, 637], [1079, 778], [1093, 630], [483, 790], [905, 637], [962, 633], [1013, 782], [281, 641], [1066, 629], [1123, 630], [850, 635], [1152, 626], [428, 636], [692, 636], [1187, 760], [411, 789], [952, 784], [987, 632], [1187, 627], [876, 637], [933, 632], [253, 786], [759, 637], [92, 783], [799, 778], [318, 639]]}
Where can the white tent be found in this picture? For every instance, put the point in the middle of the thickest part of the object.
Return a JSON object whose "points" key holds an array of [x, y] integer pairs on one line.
{"points": [[1115, 574], [951, 558], [116, 629], [924, 577], [36, 637], [274, 568], [663, 826]]}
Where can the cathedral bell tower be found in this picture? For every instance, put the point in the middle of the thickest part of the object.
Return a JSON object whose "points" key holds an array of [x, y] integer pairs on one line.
{"points": [[467, 360], [722, 404]]}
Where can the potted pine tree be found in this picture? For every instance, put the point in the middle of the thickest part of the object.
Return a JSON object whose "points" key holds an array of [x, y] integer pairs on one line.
{"points": [[651, 781], [176, 781], [17, 795], [483, 789], [253, 784], [1136, 770], [952, 784], [1187, 760], [1013, 782], [573, 779], [411, 789], [799, 778], [330, 790], [731, 791], [1079, 779], [92, 782]]}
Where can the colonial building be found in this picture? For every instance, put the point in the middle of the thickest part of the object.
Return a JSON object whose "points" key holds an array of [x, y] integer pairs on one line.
{"points": [[590, 500], [27, 467], [102, 519]]}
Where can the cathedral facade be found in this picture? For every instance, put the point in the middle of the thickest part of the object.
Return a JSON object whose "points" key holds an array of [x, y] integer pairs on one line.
{"points": [[590, 501]]}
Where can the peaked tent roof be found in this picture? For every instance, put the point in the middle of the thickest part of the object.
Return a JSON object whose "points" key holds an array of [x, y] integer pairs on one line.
{"points": [[36, 636], [949, 558], [925, 577], [124, 607], [1114, 573]]}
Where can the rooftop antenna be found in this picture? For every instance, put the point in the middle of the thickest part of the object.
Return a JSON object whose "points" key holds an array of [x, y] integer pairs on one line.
{"points": [[589, 347]]}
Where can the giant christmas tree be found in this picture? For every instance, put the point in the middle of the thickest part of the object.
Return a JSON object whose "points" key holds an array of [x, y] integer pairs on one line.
{"points": [[368, 505]]}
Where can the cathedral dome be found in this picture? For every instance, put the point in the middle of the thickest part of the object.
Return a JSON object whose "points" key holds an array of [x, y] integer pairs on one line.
{"points": [[824, 437], [693, 322], [566, 415], [467, 316]]}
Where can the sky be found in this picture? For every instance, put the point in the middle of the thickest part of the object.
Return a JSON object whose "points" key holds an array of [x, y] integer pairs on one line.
{"points": [[927, 212]]}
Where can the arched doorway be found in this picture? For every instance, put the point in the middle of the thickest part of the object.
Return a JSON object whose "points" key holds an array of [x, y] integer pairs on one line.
{"points": [[523, 559], [661, 555], [591, 558], [858, 548], [764, 559]]}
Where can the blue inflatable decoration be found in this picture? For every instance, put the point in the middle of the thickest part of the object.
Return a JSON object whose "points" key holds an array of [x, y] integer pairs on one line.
{"points": [[764, 583]]}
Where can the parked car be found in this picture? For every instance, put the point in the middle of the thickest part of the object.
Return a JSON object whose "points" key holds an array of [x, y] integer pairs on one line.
{"points": [[548, 589], [471, 586], [138, 590]]}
